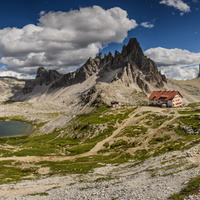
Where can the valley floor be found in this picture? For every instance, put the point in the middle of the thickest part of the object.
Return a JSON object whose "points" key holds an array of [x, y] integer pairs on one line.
{"points": [[156, 164], [155, 178]]}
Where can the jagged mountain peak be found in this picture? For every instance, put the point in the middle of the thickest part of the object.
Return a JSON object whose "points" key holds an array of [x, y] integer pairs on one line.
{"points": [[51, 75], [41, 71], [117, 53], [43, 77], [133, 47], [130, 67]]}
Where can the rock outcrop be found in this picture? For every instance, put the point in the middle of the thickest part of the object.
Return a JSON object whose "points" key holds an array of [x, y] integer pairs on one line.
{"points": [[43, 77], [88, 69]]}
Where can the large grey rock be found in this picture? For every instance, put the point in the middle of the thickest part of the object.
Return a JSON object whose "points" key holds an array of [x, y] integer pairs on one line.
{"points": [[43, 77]]}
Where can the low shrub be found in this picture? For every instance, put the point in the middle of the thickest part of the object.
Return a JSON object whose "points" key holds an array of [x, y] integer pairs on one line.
{"points": [[191, 188]]}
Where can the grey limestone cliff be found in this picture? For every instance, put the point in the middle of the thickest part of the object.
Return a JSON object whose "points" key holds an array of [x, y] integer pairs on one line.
{"points": [[43, 77], [130, 66]]}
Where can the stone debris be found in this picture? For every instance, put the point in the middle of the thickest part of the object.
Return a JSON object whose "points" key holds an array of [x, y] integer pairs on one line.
{"points": [[155, 178]]}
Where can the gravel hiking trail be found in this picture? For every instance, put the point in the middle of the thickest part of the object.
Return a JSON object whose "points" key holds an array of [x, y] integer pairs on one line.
{"points": [[99, 145]]}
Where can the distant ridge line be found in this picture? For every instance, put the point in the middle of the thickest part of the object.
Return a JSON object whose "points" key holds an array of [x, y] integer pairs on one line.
{"points": [[11, 77]]}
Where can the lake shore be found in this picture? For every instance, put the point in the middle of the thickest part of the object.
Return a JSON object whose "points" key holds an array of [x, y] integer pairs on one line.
{"points": [[15, 129]]}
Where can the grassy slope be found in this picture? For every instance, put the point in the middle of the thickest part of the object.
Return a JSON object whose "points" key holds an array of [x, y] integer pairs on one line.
{"points": [[87, 130]]}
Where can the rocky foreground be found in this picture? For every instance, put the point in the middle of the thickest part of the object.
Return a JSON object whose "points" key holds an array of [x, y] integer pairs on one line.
{"points": [[155, 178]]}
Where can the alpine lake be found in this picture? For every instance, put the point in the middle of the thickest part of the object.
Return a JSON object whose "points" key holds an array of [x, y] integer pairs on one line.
{"points": [[14, 128]]}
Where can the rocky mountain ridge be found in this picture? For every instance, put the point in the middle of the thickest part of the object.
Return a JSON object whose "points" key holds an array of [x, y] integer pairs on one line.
{"points": [[127, 77], [10, 86], [130, 66], [43, 77]]}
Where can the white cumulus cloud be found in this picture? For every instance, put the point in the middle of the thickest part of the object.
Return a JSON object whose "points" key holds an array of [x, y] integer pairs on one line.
{"points": [[175, 63], [147, 25], [62, 40], [178, 4], [15, 74]]}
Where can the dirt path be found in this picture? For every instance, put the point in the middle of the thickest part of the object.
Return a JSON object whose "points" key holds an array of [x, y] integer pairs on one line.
{"points": [[153, 132], [99, 145], [93, 151]]}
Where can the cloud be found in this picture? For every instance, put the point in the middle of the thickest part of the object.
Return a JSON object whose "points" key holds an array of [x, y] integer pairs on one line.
{"points": [[180, 73], [15, 74], [147, 25], [62, 40], [178, 4], [175, 63]]}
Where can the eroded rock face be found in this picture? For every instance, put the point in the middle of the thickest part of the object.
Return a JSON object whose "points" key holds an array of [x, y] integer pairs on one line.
{"points": [[130, 66], [43, 77], [47, 77], [88, 69], [29, 86], [134, 67]]}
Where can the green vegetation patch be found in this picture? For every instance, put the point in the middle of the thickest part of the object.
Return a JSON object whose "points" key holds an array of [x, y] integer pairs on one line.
{"points": [[192, 121], [104, 115], [119, 144], [41, 145], [169, 146], [37, 145], [3, 151], [19, 118], [156, 120], [86, 164], [122, 145], [194, 104], [90, 142], [170, 127], [96, 117], [72, 168], [133, 131], [141, 154], [51, 144], [145, 112], [122, 158], [39, 194], [191, 188], [68, 167], [10, 171], [188, 112], [98, 158], [160, 139]]}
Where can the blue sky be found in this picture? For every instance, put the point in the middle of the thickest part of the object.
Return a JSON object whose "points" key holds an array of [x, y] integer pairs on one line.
{"points": [[37, 33]]}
